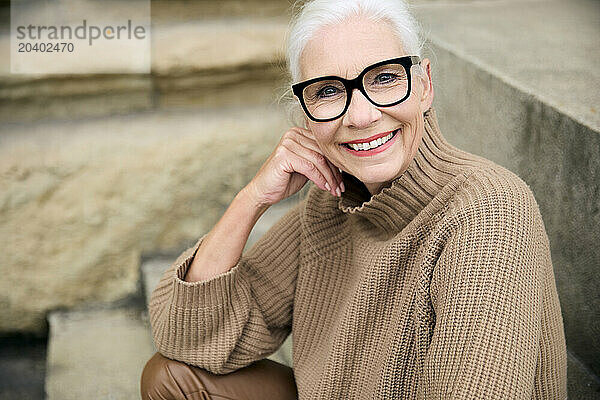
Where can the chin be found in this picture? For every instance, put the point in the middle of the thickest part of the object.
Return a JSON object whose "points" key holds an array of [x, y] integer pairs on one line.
{"points": [[378, 178]]}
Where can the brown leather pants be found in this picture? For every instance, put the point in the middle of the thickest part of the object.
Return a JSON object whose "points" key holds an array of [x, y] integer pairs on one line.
{"points": [[167, 379]]}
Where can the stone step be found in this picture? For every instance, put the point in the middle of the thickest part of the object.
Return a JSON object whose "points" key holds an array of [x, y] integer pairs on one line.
{"points": [[85, 346], [96, 354], [219, 62], [185, 10], [197, 71], [512, 41], [152, 182], [153, 269]]}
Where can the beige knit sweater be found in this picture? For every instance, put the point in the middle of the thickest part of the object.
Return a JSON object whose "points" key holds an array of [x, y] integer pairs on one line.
{"points": [[438, 287]]}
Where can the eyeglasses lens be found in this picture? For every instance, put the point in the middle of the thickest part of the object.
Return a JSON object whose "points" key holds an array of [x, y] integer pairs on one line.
{"points": [[325, 99], [386, 84]]}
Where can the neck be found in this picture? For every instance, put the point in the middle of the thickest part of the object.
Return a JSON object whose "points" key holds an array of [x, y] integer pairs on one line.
{"points": [[375, 188]]}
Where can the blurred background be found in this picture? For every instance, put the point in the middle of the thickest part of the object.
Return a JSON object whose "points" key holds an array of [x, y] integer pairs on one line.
{"points": [[106, 178]]}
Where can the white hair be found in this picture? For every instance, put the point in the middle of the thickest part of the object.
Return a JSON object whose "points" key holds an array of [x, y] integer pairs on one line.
{"points": [[315, 14]]}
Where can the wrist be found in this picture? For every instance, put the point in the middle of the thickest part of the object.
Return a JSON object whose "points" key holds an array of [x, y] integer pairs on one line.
{"points": [[249, 197]]}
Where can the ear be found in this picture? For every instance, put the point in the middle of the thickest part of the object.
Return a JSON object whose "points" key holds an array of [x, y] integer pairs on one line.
{"points": [[427, 84]]}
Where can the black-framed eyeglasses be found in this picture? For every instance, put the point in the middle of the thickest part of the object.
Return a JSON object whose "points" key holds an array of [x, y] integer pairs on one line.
{"points": [[384, 84]]}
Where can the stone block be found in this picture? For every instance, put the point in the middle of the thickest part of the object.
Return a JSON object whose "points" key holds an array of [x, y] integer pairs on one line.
{"points": [[96, 354], [217, 45], [164, 11], [152, 271], [82, 200], [216, 62]]}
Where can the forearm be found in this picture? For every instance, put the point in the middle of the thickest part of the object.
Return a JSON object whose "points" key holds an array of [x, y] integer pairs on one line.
{"points": [[222, 248]]}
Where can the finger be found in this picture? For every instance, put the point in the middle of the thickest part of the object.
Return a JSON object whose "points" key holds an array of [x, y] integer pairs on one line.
{"points": [[299, 136], [342, 180], [307, 168], [338, 176], [316, 158], [304, 131], [320, 162]]}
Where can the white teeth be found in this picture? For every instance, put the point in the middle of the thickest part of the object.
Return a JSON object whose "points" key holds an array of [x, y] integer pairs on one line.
{"points": [[373, 144]]}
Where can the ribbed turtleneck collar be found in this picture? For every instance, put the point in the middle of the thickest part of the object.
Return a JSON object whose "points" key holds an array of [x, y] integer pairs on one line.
{"points": [[435, 164]]}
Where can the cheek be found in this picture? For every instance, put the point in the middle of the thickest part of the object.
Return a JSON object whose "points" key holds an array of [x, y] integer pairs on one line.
{"points": [[324, 133], [408, 109], [407, 113]]}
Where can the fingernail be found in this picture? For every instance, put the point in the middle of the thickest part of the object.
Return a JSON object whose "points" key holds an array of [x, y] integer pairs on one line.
{"points": [[342, 186], [327, 186], [337, 190]]}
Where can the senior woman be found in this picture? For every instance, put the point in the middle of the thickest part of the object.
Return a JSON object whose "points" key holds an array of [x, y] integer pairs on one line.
{"points": [[411, 270]]}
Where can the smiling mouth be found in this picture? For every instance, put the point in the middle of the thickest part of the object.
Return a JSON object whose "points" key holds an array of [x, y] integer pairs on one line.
{"points": [[372, 144]]}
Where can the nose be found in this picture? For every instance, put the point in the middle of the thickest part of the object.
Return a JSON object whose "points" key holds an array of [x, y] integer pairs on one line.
{"points": [[361, 112]]}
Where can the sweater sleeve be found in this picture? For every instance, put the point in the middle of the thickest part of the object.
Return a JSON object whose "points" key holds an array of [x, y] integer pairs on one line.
{"points": [[492, 293], [233, 319]]}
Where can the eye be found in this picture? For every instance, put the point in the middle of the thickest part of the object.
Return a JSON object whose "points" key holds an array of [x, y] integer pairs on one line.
{"points": [[327, 91], [385, 78]]}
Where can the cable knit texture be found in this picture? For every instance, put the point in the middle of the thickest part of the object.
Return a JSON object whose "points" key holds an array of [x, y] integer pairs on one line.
{"points": [[438, 287]]}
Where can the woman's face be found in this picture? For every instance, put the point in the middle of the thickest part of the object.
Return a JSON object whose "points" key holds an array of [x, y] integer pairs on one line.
{"points": [[345, 50]]}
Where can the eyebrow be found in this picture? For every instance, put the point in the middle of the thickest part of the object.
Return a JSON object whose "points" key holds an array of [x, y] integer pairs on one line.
{"points": [[353, 76], [341, 76]]}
